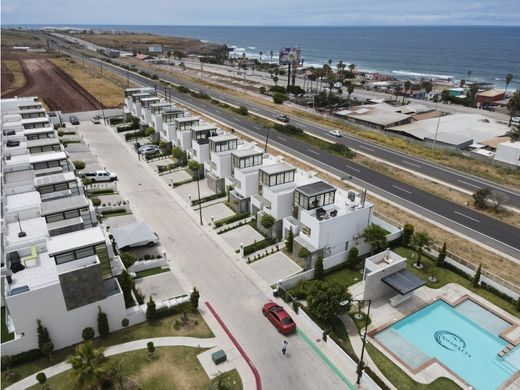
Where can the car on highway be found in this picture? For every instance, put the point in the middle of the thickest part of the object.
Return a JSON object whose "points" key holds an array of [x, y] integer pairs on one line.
{"points": [[98, 176], [279, 318], [148, 149], [283, 118], [335, 133], [96, 120], [74, 120]]}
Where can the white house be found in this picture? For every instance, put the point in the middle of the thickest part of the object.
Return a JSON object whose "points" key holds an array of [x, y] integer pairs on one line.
{"points": [[219, 166], [183, 127], [169, 115], [200, 136], [146, 109], [156, 113]]}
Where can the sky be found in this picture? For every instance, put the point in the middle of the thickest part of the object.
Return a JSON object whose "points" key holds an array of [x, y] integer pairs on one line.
{"points": [[262, 12]]}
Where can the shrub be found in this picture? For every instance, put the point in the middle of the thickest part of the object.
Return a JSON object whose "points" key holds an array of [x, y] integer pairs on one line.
{"points": [[61, 133], [200, 95], [279, 98], [277, 88], [353, 258], [149, 131], [102, 321], [150, 310], [194, 299], [288, 129], [231, 219], [7, 362], [290, 240], [341, 149], [96, 201], [88, 334], [47, 349], [126, 283], [43, 335], [150, 347], [406, 237], [128, 258], [125, 322], [183, 89], [24, 357], [258, 245], [480, 197], [41, 378], [295, 89], [267, 221], [78, 164], [303, 252], [242, 110], [262, 90], [154, 77], [319, 273], [441, 256], [195, 202]]}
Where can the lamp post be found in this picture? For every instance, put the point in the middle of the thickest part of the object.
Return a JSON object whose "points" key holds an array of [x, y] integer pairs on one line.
{"points": [[266, 139], [198, 194], [437, 128], [360, 364]]}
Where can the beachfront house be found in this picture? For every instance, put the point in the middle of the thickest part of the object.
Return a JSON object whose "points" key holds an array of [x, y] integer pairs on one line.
{"points": [[167, 131], [183, 127], [219, 167], [200, 136]]}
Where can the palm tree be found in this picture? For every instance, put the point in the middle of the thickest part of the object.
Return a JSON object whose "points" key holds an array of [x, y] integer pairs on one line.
{"points": [[351, 67], [462, 82], [421, 241], [329, 61], [88, 366], [375, 236], [509, 77], [118, 373], [428, 86], [340, 66], [350, 89], [407, 86]]}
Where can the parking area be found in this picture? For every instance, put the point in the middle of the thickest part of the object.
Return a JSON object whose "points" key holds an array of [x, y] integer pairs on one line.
{"points": [[243, 235], [217, 211], [275, 267], [160, 287], [190, 189], [176, 176], [119, 220]]}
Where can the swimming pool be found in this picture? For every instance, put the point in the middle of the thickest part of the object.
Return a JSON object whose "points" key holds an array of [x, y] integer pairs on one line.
{"points": [[454, 336]]}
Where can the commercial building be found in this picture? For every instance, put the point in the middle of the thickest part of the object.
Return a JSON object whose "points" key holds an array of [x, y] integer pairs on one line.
{"points": [[375, 116], [489, 97], [508, 154]]}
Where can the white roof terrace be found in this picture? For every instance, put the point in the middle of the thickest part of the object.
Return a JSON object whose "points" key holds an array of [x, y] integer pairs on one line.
{"points": [[75, 240]]}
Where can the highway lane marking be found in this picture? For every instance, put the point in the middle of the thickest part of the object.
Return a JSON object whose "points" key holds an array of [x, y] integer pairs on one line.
{"points": [[402, 189], [282, 138], [364, 147], [354, 169], [466, 216], [312, 151], [468, 184], [412, 164]]}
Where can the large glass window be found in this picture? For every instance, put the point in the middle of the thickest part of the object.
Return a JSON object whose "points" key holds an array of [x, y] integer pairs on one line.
{"points": [[99, 250]]}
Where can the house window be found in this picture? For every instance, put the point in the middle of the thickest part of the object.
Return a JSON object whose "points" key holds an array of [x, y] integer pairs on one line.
{"points": [[306, 230], [213, 165]]}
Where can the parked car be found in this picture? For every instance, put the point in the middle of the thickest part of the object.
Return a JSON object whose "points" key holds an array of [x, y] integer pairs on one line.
{"points": [[100, 176], [96, 120], [283, 118], [148, 149], [279, 318], [335, 133], [74, 120]]}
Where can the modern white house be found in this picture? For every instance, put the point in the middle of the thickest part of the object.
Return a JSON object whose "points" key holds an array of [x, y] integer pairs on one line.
{"points": [[156, 113], [183, 127], [167, 131], [508, 154], [200, 136], [219, 167], [146, 108], [57, 262], [132, 100]]}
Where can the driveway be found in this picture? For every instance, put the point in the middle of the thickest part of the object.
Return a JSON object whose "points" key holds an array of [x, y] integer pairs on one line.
{"points": [[275, 267], [243, 235], [201, 257], [160, 287]]}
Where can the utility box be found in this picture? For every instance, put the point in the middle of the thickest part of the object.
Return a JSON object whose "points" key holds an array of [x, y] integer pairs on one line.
{"points": [[219, 357]]}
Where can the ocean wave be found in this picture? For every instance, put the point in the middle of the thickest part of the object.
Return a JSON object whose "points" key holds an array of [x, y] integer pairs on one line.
{"points": [[251, 47], [417, 74]]}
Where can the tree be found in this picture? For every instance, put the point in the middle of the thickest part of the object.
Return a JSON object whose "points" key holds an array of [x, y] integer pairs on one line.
{"points": [[441, 256], [462, 83], [497, 200], [78, 164], [350, 89], [407, 234], [88, 365], [127, 283], [469, 74], [428, 86], [351, 67], [102, 322], [88, 334], [480, 197], [513, 106], [150, 309], [353, 258], [194, 167], [375, 236], [476, 278], [325, 298], [319, 273], [194, 299], [509, 78], [445, 95], [118, 373], [47, 349], [473, 89], [303, 252], [290, 240], [421, 241], [43, 334], [179, 155], [267, 221], [128, 258], [407, 86], [41, 378], [514, 133]]}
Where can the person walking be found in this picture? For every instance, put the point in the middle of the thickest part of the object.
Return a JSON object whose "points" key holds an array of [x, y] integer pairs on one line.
{"points": [[284, 347]]}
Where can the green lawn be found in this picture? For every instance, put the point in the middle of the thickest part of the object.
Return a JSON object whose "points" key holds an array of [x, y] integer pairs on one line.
{"points": [[400, 379], [159, 328], [176, 368], [6, 336], [151, 271], [446, 276], [345, 276]]}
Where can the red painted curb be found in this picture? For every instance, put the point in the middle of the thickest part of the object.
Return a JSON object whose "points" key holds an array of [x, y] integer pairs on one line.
{"points": [[237, 345]]}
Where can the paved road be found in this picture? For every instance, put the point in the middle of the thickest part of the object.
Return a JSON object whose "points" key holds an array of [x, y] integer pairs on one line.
{"points": [[210, 268]]}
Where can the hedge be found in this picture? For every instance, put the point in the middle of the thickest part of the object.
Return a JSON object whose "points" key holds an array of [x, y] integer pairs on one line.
{"points": [[231, 219], [288, 129], [196, 202], [277, 88], [114, 211], [168, 311], [258, 245], [25, 356], [183, 89], [138, 134], [180, 183]]}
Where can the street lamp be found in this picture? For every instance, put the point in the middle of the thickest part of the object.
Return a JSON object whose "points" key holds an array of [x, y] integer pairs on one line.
{"points": [[437, 128], [198, 194], [360, 364]]}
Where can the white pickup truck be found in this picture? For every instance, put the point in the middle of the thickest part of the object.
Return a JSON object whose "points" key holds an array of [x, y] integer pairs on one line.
{"points": [[100, 176]]}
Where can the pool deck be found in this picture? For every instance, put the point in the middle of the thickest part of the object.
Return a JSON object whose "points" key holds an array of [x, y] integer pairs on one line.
{"points": [[384, 315]]}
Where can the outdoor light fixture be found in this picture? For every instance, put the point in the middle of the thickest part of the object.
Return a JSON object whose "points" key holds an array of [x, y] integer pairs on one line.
{"points": [[21, 233]]}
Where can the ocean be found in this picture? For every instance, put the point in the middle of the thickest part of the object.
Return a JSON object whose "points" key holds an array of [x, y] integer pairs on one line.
{"points": [[489, 52]]}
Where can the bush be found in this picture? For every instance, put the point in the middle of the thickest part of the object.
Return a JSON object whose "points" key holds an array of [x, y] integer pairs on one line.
{"points": [[353, 258], [295, 89], [96, 201], [150, 347], [130, 136], [154, 77], [319, 273], [406, 237], [279, 98], [149, 131], [277, 89], [258, 245], [267, 221], [102, 321], [128, 258], [262, 90], [194, 299], [78, 164], [303, 252], [88, 334], [231, 219], [341, 149], [242, 110], [41, 378], [288, 129], [126, 283], [43, 335], [290, 240], [195, 202], [125, 322], [150, 310], [183, 89], [200, 95], [24, 357], [61, 133]]}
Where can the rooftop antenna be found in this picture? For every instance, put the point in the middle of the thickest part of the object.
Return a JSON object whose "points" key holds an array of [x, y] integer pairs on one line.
{"points": [[21, 233]]}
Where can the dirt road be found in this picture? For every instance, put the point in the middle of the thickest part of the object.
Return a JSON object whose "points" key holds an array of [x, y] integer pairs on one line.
{"points": [[57, 89]]}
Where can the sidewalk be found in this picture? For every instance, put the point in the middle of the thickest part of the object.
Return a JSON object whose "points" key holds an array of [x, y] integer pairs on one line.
{"points": [[117, 349]]}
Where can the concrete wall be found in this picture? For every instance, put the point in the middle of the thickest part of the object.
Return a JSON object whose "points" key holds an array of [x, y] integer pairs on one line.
{"points": [[184, 138], [281, 202], [201, 151], [508, 155], [222, 164], [248, 183]]}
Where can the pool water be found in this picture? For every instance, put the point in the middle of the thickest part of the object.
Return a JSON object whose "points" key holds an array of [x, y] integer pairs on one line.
{"points": [[468, 349]]}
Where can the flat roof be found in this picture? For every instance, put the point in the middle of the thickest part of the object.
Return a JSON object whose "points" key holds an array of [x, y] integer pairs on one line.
{"points": [[162, 104], [23, 201], [34, 228], [63, 204], [173, 110], [247, 152], [187, 119], [149, 99], [277, 168], [204, 127], [380, 114], [403, 281], [39, 130], [42, 157], [223, 138], [39, 119], [54, 179], [141, 94], [42, 142], [491, 93], [19, 176], [75, 240], [312, 189]]}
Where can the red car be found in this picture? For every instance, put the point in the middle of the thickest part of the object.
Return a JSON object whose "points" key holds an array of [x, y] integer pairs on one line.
{"points": [[279, 318]]}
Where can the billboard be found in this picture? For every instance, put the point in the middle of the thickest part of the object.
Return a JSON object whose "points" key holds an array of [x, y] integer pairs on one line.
{"points": [[289, 56]]}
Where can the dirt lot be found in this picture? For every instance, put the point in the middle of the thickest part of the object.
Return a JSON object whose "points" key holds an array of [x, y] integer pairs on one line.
{"points": [[52, 85]]}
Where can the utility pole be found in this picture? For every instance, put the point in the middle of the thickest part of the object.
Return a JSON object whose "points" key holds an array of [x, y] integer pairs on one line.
{"points": [[127, 78], [289, 76], [266, 139], [101, 67]]}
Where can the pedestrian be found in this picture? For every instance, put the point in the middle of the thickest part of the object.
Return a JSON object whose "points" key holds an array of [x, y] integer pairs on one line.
{"points": [[284, 347]]}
